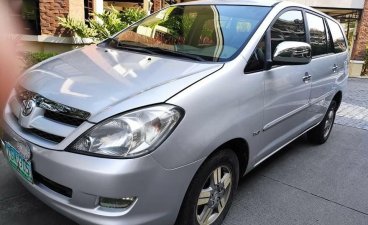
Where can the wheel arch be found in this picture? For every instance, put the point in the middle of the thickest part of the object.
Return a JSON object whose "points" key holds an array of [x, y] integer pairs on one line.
{"points": [[241, 148], [338, 98]]}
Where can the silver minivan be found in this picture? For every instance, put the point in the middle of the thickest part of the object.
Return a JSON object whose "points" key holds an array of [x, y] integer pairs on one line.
{"points": [[155, 125]]}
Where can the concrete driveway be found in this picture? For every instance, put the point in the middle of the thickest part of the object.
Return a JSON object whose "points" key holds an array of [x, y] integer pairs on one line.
{"points": [[302, 184]]}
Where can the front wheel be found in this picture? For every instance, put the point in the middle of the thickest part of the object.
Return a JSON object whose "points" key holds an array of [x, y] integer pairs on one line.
{"points": [[320, 133], [211, 191]]}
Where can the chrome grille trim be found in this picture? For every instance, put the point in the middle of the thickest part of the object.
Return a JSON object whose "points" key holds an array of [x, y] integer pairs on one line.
{"points": [[47, 104]]}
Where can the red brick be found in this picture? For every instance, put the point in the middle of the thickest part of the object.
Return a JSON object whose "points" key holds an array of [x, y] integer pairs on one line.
{"points": [[362, 37], [157, 5], [50, 10]]}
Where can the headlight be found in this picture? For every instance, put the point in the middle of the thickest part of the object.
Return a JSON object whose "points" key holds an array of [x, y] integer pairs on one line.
{"points": [[130, 135]]}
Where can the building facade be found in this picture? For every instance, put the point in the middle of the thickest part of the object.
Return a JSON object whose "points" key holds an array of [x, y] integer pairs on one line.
{"points": [[43, 33]]}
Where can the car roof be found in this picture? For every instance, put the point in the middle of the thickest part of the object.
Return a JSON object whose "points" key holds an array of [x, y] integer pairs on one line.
{"points": [[232, 2]]}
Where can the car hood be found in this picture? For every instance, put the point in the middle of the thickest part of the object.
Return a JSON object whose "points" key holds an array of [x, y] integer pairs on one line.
{"points": [[95, 78]]}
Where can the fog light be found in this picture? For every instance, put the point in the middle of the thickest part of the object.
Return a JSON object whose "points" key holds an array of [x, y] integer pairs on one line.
{"points": [[117, 202]]}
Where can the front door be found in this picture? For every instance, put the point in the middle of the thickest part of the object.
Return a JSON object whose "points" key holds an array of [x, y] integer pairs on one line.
{"points": [[287, 88]]}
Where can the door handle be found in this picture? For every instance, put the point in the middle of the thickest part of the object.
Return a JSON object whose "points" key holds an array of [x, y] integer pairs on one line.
{"points": [[334, 68], [306, 77]]}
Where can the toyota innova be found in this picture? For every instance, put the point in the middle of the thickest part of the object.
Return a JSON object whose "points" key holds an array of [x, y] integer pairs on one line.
{"points": [[157, 124]]}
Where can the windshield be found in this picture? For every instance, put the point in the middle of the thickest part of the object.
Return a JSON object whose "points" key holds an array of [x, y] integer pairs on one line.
{"points": [[199, 32]]}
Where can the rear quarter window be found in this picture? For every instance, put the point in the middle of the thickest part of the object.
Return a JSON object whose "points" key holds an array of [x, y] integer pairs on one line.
{"points": [[337, 37]]}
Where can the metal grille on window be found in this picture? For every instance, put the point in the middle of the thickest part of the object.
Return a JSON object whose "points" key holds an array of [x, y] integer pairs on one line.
{"points": [[88, 9]]}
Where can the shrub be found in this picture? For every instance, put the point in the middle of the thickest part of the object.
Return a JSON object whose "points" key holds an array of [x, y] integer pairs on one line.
{"points": [[78, 28], [103, 25], [107, 23], [30, 58], [132, 15]]}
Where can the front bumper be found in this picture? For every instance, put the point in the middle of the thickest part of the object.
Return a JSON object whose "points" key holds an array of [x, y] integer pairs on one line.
{"points": [[159, 191]]}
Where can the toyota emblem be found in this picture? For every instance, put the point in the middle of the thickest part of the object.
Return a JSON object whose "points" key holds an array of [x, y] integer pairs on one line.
{"points": [[28, 106]]}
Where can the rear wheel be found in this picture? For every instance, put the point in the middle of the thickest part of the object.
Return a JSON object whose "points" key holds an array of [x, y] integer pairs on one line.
{"points": [[211, 191], [320, 133]]}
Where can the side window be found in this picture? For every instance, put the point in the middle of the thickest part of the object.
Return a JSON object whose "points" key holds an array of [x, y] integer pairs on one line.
{"points": [[257, 60], [337, 36], [318, 37], [288, 27]]}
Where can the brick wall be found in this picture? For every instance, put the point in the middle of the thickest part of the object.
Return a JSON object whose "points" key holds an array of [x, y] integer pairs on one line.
{"points": [[157, 5], [50, 10], [362, 36]]}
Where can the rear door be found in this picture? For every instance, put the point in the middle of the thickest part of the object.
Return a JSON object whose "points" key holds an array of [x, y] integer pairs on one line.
{"points": [[339, 46], [323, 66]]}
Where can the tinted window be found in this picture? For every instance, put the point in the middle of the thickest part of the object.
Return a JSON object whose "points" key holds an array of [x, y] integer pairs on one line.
{"points": [[318, 37], [208, 32], [337, 36], [288, 27], [257, 60]]}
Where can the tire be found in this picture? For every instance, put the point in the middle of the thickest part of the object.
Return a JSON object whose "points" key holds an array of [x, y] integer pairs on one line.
{"points": [[320, 133], [194, 207]]}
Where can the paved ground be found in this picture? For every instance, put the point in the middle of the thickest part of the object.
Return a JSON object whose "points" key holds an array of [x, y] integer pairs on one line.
{"points": [[303, 184], [353, 111]]}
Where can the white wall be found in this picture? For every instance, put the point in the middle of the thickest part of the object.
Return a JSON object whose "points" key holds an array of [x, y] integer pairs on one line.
{"points": [[355, 4], [99, 6], [76, 9]]}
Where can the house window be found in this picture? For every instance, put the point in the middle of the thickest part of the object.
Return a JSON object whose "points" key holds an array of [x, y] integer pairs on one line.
{"points": [[29, 14], [88, 9]]}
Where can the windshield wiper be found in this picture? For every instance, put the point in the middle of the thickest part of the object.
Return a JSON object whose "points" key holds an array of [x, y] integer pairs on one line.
{"points": [[152, 50], [123, 45], [112, 42], [175, 53]]}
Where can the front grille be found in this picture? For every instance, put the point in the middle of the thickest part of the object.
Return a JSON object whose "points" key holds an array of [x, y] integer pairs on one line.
{"points": [[52, 106], [63, 118], [58, 188], [52, 113], [46, 136]]}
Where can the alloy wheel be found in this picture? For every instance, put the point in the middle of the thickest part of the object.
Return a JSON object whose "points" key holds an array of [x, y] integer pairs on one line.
{"points": [[214, 195]]}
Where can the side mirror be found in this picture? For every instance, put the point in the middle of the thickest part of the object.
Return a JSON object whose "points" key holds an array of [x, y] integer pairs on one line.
{"points": [[292, 53]]}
